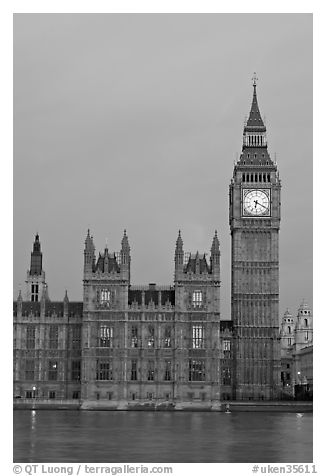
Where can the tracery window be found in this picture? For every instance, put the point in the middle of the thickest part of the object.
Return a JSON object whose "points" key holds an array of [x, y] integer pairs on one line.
{"points": [[197, 298]]}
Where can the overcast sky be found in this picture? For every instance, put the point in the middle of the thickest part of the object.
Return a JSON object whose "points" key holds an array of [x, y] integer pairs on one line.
{"points": [[134, 121]]}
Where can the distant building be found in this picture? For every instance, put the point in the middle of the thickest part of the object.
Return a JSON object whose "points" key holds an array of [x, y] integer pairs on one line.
{"points": [[297, 353]]}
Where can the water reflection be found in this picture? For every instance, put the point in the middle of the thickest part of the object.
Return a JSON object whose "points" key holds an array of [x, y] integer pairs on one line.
{"points": [[73, 436]]}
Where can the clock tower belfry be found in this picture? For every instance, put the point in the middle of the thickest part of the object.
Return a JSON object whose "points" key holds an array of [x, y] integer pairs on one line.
{"points": [[254, 217]]}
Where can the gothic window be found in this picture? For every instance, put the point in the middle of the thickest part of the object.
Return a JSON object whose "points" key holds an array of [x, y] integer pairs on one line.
{"points": [[53, 337], [29, 369], [133, 375], [268, 178], [167, 371], [34, 293], [197, 299], [134, 336], [105, 296], [289, 330], [75, 337], [75, 370], [75, 395], [306, 335], [104, 370], [226, 348], [197, 337], [30, 337], [259, 177], [151, 339], [226, 376], [306, 322], [150, 370], [106, 336], [51, 394], [53, 370], [289, 341], [196, 370], [243, 177], [167, 338]]}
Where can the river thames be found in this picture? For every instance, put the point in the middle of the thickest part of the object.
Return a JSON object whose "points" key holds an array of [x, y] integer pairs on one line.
{"points": [[70, 436]]}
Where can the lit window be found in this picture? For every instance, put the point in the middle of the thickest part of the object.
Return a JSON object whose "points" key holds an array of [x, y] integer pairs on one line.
{"points": [[134, 336], [197, 299], [105, 296], [167, 373], [197, 337], [106, 336], [167, 338], [53, 370], [151, 340], [226, 348]]}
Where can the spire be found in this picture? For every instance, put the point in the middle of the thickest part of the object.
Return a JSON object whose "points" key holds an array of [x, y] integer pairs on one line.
{"points": [[66, 299], [179, 243], [89, 253], [124, 242], [215, 244], [20, 298], [36, 257], [88, 241], [254, 120]]}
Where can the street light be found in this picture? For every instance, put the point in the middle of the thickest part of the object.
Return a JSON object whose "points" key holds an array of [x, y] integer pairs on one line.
{"points": [[34, 392]]}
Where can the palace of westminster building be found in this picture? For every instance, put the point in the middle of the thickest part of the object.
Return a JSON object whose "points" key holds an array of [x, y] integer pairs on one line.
{"points": [[128, 346]]}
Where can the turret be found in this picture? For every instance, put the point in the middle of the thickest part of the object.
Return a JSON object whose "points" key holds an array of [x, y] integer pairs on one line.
{"points": [[89, 254], [35, 281], [178, 256], [287, 332], [125, 256], [303, 328], [215, 257]]}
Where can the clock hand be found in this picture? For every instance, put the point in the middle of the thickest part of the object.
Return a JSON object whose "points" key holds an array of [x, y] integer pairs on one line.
{"points": [[257, 203]]}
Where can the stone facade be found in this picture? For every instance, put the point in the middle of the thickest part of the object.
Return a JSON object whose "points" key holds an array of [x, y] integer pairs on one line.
{"points": [[128, 346]]}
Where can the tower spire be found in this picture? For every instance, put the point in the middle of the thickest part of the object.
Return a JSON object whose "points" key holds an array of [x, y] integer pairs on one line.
{"points": [[255, 120]]}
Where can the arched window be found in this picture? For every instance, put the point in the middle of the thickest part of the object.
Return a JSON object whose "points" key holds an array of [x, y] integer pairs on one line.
{"points": [[306, 322], [289, 330]]}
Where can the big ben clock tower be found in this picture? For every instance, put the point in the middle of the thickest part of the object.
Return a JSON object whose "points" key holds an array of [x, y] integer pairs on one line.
{"points": [[254, 217]]}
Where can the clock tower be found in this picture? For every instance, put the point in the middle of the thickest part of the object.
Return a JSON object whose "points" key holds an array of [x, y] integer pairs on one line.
{"points": [[254, 217]]}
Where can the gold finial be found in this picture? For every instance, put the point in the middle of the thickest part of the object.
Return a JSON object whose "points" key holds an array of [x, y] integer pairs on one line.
{"points": [[254, 79]]}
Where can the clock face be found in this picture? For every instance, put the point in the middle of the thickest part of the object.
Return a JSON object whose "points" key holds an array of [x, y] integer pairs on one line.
{"points": [[256, 202]]}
